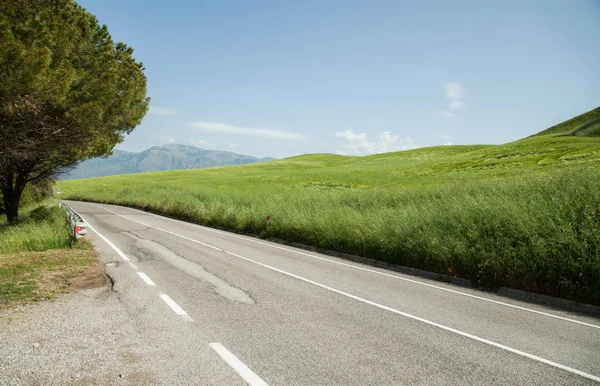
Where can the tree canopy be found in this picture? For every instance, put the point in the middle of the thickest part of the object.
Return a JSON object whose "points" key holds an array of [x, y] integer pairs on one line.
{"points": [[68, 92]]}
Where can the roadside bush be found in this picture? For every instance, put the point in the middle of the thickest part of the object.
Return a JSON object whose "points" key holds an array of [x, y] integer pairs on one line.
{"points": [[36, 192], [42, 213]]}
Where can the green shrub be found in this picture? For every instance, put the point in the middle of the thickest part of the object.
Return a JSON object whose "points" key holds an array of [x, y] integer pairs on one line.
{"points": [[41, 213], [36, 192]]}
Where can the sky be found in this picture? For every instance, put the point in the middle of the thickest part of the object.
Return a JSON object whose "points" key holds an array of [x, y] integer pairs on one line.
{"points": [[284, 77]]}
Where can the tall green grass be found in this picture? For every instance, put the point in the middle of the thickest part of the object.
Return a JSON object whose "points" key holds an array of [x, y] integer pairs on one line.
{"points": [[524, 215], [42, 227], [38, 257], [576, 126]]}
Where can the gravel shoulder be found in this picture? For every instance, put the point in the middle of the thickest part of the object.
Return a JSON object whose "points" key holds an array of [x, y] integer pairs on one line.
{"points": [[76, 339], [106, 331]]}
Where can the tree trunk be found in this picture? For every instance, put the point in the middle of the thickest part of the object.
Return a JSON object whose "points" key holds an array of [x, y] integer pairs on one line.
{"points": [[12, 190], [12, 211]]}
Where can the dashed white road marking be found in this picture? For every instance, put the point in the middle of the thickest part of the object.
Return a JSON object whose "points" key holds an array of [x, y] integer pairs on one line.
{"points": [[271, 245], [248, 375], [145, 278], [175, 307], [369, 302]]}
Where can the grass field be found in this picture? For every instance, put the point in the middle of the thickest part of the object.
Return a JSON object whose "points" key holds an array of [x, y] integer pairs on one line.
{"points": [[38, 258], [524, 214], [584, 125]]}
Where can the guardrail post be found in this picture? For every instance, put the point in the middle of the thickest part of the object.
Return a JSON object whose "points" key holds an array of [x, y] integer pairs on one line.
{"points": [[78, 226]]}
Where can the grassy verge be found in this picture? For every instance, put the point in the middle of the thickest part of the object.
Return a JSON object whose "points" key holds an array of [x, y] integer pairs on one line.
{"points": [[38, 258], [33, 276], [524, 215]]}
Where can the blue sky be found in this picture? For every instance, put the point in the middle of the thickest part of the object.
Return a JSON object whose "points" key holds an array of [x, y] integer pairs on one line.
{"points": [[281, 78]]}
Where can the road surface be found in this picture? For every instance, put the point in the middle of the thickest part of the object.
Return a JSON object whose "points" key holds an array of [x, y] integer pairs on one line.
{"points": [[221, 308]]}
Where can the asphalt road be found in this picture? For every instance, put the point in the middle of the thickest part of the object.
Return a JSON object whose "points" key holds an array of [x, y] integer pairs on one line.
{"points": [[233, 308]]}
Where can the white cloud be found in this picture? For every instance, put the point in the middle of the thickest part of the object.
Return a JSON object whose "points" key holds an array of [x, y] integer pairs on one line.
{"points": [[359, 143], [168, 140], [456, 104], [455, 95], [454, 90], [224, 128], [352, 136], [153, 110], [202, 143], [233, 146]]}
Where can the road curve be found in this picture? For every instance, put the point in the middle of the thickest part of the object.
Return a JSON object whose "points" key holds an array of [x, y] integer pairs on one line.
{"points": [[240, 308]]}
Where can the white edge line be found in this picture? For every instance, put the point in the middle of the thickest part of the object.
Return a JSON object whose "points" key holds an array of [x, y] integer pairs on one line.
{"points": [[114, 247], [175, 307], [145, 278], [429, 322], [164, 230], [248, 375], [381, 306], [362, 269]]}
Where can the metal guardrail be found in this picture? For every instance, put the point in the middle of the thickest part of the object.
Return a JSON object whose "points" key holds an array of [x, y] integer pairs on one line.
{"points": [[78, 225]]}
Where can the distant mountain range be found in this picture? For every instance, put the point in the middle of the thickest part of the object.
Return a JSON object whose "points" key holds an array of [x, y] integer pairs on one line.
{"points": [[168, 157]]}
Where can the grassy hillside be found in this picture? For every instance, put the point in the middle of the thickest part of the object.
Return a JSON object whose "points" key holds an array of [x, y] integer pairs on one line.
{"points": [[584, 125], [524, 214]]}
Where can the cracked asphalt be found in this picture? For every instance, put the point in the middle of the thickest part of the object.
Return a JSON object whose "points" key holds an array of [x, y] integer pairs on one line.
{"points": [[292, 317]]}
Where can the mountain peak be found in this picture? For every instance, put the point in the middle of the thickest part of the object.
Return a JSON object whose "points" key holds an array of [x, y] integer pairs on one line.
{"points": [[176, 146], [157, 158]]}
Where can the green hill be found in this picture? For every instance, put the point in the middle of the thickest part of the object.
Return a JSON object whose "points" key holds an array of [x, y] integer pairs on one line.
{"points": [[584, 125], [525, 214]]}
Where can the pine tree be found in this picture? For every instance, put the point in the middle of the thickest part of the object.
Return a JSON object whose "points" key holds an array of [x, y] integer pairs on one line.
{"points": [[68, 92]]}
